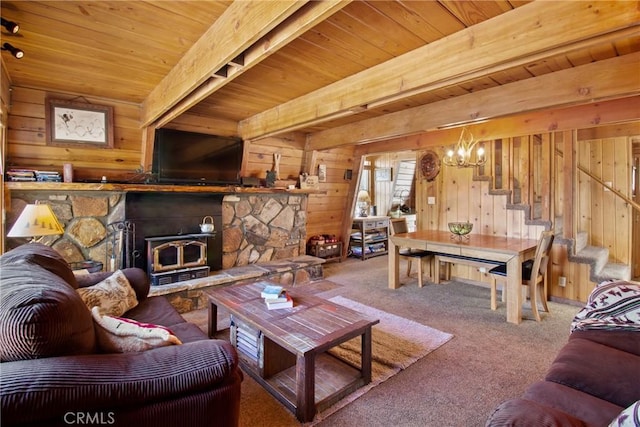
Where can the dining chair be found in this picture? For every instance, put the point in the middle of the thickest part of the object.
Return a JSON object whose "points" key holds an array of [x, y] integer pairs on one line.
{"points": [[398, 226], [534, 276]]}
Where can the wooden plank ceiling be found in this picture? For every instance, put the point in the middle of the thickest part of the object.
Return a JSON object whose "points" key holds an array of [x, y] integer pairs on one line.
{"points": [[275, 67]]}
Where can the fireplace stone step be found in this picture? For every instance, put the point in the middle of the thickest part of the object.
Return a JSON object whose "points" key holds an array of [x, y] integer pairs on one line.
{"points": [[189, 295]]}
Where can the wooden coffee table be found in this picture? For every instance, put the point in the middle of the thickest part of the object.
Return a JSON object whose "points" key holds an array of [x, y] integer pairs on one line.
{"points": [[285, 350]]}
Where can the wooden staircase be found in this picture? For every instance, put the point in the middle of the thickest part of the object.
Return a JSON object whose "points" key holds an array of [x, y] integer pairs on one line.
{"points": [[598, 258], [578, 249], [522, 194]]}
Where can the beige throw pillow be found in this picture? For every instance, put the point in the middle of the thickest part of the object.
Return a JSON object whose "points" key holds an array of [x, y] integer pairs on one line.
{"points": [[120, 335], [114, 296]]}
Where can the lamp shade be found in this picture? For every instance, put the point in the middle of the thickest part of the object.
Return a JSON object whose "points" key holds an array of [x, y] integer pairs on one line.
{"points": [[36, 220], [363, 196]]}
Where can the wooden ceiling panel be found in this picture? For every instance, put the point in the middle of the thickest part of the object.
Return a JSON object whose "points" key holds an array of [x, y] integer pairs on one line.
{"points": [[300, 56], [471, 13], [429, 20], [370, 24], [475, 85], [627, 45], [124, 50], [203, 11], [115, 26], [511, 75], [602, 52], [330, 48], [344, 44], [65, 42], [548, 65]]}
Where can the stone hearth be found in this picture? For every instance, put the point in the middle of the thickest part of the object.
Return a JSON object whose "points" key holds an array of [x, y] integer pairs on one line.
{"points": [[291, 272], [255, 228]]}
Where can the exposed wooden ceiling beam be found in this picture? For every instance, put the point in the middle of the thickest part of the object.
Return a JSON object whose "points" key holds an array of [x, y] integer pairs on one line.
{"points": [[301, 21], [587, 116], [241, 25], [500, 43], [613, 78]]}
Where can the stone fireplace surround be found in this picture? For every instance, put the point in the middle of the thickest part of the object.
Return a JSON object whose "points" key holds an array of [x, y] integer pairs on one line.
{"points": [[250, 227]]}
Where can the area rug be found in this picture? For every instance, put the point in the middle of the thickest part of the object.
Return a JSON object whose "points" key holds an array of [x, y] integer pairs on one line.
{"points": [[397, 343]]}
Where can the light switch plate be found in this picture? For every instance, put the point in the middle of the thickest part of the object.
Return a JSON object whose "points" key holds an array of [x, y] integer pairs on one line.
{"points": [[431, 200]]}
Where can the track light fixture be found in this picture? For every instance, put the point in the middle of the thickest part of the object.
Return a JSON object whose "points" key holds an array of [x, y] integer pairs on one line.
{"points": [[14, 50], [11, 26]]}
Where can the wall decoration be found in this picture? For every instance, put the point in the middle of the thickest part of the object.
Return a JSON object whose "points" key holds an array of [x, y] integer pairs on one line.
{"points": [[309, 182], [78, 123], [322, 173], [276, 164], [383, 174], [430, 165]]}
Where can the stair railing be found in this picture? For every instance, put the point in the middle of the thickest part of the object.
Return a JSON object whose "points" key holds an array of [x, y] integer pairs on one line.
{"points": [[633, 204], [584, 170]]}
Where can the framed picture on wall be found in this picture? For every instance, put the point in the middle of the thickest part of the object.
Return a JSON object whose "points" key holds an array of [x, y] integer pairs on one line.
{"points": [[383, 174], [78, 123]]}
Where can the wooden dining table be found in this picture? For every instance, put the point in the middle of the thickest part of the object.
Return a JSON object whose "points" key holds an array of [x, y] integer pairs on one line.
{"points": [[472, 248]]}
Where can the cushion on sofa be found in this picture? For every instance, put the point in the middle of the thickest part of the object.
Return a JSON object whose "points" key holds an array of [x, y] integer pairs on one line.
{"points": [[137, 278], [114, 295], [611, 305], [121, 335], [41, 315], [624, 340], [592, 410], [601, 371], [42, 255], [527, 413]]}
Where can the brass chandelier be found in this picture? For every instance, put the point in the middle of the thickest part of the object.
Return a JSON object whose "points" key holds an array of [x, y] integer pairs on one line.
{"points": [[463, 155]]}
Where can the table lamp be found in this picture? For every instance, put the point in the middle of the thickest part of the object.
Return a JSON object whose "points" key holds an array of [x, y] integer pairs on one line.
{"points": [[36, 221], [364, 201]]}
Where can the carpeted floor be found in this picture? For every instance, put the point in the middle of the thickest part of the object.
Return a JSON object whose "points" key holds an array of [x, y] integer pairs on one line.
{"points": [[459, 384], [396, 344]]}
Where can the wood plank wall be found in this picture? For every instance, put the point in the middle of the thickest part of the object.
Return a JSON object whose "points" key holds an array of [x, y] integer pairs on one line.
{"points": [[27, 146], [604, 216], [324, 210], [459, 196], [5, 97]]}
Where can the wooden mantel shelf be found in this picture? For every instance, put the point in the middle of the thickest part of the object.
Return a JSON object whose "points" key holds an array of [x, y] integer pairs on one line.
{"points": [[78, 186]]}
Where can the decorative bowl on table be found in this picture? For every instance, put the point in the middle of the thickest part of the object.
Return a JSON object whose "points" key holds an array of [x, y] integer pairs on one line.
{"points": [[460, 229]]}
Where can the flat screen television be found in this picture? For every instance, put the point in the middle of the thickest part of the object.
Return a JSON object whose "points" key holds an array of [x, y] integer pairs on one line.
{"points": [[181, 157]]}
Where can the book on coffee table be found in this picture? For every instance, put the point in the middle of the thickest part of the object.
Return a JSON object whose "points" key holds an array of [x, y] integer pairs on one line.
{"points": [[272, 291], [283, 302]]}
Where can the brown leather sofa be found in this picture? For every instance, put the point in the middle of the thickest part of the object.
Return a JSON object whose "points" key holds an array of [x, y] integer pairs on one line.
{"points": [[595, 378], [54, 373]]}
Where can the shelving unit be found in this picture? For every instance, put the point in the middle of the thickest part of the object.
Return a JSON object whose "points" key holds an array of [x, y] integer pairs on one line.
{"points": [[369, 237]]}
